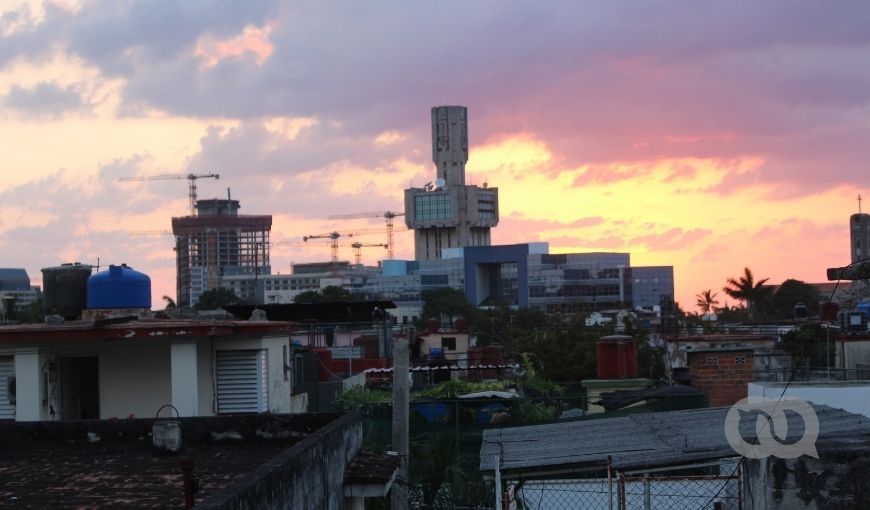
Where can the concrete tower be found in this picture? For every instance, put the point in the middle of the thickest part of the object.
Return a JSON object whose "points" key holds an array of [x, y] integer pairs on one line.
{"points": [[450, 143], [860, 229], [447, 213]]}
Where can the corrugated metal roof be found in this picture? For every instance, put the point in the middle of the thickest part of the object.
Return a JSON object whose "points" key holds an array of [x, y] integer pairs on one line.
{"points": [[640, 440]]}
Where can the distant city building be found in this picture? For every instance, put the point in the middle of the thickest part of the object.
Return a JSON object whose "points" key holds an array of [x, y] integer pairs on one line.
{"points": [[860, 236], [219, 243], [15, 285], [523, 275], [447, 213], [452, 243], [651, 285]]}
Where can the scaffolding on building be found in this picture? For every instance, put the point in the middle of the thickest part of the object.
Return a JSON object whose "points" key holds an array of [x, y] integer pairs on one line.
{"points": [[209, 247]]}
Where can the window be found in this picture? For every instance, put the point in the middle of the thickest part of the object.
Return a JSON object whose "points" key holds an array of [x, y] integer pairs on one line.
{"points": [[432, 206], [486, 206], [448, 343], [241, 382]]}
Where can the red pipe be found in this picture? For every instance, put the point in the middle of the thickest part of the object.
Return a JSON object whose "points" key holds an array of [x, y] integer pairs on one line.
{"points": [[190, 485]]}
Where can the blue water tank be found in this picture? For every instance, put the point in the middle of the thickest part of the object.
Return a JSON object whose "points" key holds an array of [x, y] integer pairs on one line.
{"points": [[119, 287]]}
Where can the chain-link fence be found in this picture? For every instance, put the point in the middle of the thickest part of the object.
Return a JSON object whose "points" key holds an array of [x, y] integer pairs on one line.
{"points": [[592, 494], [714, 492], [661, 492]]}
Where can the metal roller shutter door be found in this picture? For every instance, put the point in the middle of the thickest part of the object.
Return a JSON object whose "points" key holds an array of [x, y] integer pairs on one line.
{"points": [[7, 372], [241, 381]]}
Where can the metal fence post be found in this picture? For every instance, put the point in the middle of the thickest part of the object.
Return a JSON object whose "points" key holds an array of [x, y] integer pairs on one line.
{"points": [[609, 483], [498, 504], [621, 481], [647, 497]]}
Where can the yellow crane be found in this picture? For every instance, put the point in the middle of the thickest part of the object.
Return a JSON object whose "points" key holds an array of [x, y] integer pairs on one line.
{"points": [[191, 181], [335, 236], [357, 246], [388, 216], [357, 249]]}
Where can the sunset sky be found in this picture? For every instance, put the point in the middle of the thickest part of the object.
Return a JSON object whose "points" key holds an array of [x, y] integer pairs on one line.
{"points": [[707, 136]]}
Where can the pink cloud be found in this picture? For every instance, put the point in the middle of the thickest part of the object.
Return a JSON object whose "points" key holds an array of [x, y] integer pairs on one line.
{"points": [[253, 40], [673, 239]]}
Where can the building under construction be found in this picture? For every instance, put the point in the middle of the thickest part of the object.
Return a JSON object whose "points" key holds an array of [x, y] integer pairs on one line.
{"points": [[218, 242]]}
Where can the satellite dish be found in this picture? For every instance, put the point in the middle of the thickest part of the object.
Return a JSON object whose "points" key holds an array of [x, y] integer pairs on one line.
{"points": [[439, 182]]}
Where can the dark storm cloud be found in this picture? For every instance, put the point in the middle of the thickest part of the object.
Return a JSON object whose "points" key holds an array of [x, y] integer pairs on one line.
{"points": [[63, 195], [44, 100], [129, 37], [599, 82]]}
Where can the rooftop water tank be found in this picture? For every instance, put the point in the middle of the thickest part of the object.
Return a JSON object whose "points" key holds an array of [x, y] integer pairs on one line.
{"points": [[119, 287], [65, 289], [616, 357]]}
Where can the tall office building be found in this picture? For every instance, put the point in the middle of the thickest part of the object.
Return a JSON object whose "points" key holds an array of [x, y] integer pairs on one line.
{"points": [[447, 213], [217, 243], [860, 229]]}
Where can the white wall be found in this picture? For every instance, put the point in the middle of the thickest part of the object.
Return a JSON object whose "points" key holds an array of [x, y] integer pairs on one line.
{"points": [[134, 379], [279, 390], [280, 387], [28, 387], [849, 396], [850, 353]]}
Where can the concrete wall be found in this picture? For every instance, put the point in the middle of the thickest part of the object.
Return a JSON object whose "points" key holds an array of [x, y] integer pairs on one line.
{"points": [[849, 396], [836, 481], [309, 475], [850, 353]]}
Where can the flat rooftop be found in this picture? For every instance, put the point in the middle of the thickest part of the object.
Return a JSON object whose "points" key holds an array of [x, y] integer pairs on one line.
{"points": [[122, 329], [111, 463]]}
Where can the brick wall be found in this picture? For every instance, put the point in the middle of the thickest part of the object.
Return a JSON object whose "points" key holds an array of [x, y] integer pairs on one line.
{"points": [[724, 375]]}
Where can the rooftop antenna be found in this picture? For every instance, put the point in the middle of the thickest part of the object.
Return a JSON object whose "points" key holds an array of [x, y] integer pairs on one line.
{"points": [[859, 203]]}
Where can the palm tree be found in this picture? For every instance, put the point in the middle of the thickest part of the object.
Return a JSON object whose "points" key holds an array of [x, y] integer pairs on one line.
{"points": [[746, 289], [707, 301]]}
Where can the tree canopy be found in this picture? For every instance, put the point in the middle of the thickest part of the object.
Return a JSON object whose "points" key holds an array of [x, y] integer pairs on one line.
{"points": [[328, 294], [745, 288], [450, 302], [790, 293], [217, 298], [707, 301]]}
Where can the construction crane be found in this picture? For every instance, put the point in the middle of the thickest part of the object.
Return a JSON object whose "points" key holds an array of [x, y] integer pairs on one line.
{"points": [[357, 246], [387, 215], [335, 236], [191, 180], [357, 249]]}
